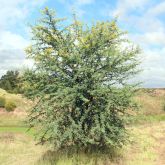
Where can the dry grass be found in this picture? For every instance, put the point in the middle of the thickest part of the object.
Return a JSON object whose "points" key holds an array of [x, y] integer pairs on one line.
{"points": [[18, 149], [151, 102], [16, 117], [145, 148], [22, 103], [147, 145]]}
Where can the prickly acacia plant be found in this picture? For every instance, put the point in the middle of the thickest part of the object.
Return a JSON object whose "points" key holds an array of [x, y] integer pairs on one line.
{"points": [[80, 82]]}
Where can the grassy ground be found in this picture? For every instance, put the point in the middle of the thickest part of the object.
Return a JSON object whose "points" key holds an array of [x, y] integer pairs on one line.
{"points": [[18, 149], [22, 103], [147, 147], [147, 132]]}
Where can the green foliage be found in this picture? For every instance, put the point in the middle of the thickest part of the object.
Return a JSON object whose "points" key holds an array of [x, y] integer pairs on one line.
{"points": [[11, 82], [2, 102], [10, 106], [80, 82]]}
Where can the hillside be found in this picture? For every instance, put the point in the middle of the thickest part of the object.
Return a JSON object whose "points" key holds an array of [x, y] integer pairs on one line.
{"points": [[18, 116], [152, 105], [147, 132]]}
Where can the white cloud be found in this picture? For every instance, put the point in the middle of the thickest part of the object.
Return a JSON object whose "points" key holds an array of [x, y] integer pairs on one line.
{"points": [[142, 16], [9, 40], [77, 5], [84, 2], [153, 59], [139, 14], [149, 39], [157, 9], [153, 74], [12, 44], [78, 2], [13, 11], [125, 6]]}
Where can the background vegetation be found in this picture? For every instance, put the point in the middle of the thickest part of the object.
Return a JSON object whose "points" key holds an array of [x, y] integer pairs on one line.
{"points": [[11, 82]]}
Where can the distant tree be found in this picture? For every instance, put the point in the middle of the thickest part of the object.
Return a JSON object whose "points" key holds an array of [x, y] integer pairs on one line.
{"points": [[11, 81], [80, 81]]}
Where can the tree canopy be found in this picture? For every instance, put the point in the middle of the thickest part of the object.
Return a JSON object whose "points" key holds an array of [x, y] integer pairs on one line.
{"points": [[80, 82], [11, 81]]}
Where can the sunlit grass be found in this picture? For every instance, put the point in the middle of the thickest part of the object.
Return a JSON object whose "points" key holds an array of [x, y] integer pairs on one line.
{"points": [[17, 146], [143, 119], [18, 149], [13, 129]]}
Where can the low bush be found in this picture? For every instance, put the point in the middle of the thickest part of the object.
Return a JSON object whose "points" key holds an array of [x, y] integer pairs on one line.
{"points": [[2, 102], [10, 106]]}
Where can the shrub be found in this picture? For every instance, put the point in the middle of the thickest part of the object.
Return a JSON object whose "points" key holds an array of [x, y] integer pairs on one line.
{"points": [[2, 102], [11, 82], [81, 81], [10, 106]]}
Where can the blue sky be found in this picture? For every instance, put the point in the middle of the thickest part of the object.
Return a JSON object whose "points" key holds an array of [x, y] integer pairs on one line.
{"points": [[143, 19]]}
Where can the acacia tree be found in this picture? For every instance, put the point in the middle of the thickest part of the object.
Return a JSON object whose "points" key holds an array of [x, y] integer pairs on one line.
{"points": [[80, 82]]}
